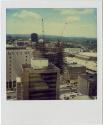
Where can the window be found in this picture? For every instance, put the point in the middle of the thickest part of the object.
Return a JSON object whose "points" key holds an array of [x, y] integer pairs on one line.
{"points": [[17, 53], [10, 84], [14, 83], [9, 53], [12, 53], [9, 61], [26, 53], [10, 68]]}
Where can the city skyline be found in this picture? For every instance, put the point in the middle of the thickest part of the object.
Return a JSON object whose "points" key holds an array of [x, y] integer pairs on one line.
{"points": [[78, 22]]}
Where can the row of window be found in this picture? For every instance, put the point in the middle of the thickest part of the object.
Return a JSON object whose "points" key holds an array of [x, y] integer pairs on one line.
{"points": [[11, 57], [10, 84], [9, 53]]}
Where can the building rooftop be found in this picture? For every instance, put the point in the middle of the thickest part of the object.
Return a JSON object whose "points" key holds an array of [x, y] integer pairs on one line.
{"points": [[75, 65], [88, 54], [40, 58], [9, 46], [51, 68], [89, 77], [18, 79], [88, 64], [14, 47], [82, 97], [47, 53]]}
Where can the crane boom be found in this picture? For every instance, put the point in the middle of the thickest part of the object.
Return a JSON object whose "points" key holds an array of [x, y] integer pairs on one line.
{"points": [[62, 33]]}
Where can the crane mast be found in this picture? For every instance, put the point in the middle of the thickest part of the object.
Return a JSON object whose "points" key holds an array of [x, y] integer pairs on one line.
{"points": [[43, 30]]}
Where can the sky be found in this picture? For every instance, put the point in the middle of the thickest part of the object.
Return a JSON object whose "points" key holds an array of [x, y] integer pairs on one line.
{"points": [[71, 22]]}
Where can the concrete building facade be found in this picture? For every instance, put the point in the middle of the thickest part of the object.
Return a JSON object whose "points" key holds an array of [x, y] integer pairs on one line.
{"points": [[88, 84], [72, 71], [15, 57], [40, 84]]}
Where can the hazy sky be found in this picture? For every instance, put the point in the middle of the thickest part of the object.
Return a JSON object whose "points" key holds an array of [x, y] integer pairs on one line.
{"points": [[70, 22]]}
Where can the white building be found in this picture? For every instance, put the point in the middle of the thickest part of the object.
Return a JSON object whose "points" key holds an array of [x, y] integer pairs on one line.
{"points": [[15, 57], [73, 50], [87, 59]]}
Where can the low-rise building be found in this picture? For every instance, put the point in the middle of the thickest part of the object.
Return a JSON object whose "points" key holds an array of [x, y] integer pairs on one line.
{"points": [[73, 50], [72, 71]]}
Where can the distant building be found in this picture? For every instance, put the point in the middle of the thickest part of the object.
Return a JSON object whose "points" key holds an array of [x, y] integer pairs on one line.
{"points": [[89, 56], [20, 43], [34, 37], [73, 50], [87, 59], [40, 83], [15, 57], [88, 84], [72, 71]]}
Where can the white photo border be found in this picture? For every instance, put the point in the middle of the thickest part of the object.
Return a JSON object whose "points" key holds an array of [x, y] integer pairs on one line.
{"points": [[52, 112]]}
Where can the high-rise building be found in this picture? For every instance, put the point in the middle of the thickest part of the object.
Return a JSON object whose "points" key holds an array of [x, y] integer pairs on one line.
{"points": [[40, 82], [15, 57], [55, 54], [88, 84], [56, 58]]}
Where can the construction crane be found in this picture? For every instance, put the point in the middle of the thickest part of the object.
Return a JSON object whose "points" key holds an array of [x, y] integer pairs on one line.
{"points": [[43, 30], [62, 33]]}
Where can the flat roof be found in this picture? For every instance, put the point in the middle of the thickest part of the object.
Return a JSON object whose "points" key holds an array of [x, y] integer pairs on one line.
{"points": [[18, 79], [75, 65], [88, 77], [38, 58], [50, 68], [47, 53], [14, 47], [88, 64], [89, 54], [82, 97]]}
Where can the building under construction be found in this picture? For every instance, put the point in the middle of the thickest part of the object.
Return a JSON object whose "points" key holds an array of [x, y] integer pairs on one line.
{"points": [[54, 51], [53, 54]]}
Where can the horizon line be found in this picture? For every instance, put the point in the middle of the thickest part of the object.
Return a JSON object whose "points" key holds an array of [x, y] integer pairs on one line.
{"points": [[53, 35]]}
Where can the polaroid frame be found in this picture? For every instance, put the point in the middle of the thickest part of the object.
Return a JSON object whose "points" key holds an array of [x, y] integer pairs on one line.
{"points": [[86, 112]]}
